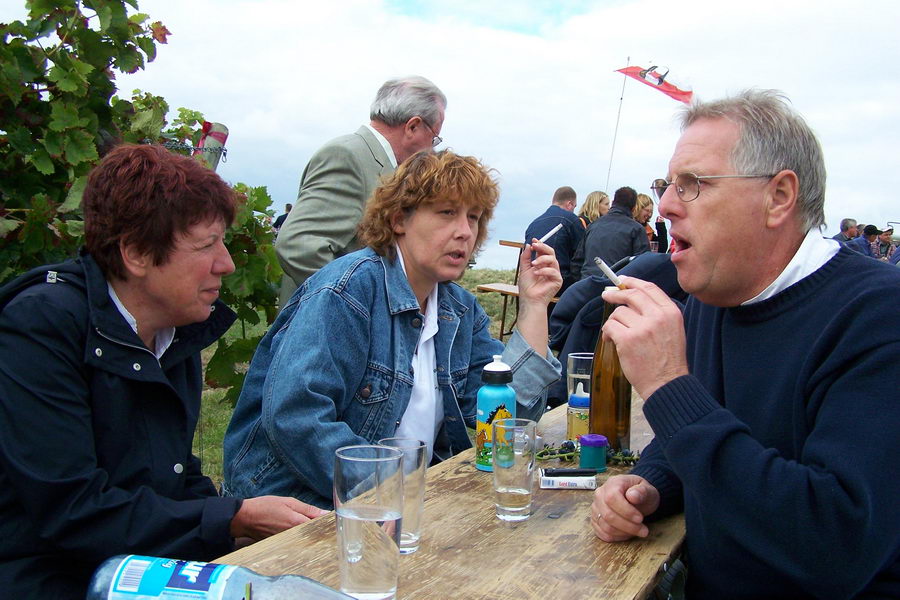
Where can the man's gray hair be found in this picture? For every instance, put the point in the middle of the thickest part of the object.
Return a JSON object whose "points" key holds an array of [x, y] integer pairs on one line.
{"points": [[773, 137], [847, 224], [399, 100]]}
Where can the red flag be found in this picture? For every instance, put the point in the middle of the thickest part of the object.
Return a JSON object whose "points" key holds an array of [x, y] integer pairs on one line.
{"points": [[654, 79]]}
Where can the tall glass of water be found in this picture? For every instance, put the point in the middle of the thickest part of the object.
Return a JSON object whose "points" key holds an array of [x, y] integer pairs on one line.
{"points": [[415, 453], [515, 445], [368, 501]]}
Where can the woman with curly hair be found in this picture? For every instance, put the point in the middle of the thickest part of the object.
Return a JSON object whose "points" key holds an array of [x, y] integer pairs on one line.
{"points": [[382, 342]]}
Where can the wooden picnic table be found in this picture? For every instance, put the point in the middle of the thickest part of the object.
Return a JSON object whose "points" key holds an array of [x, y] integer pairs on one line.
{"points": [[466, 552]]}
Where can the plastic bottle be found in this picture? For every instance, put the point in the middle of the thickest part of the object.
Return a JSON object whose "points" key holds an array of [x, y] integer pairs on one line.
{"points": [[495, 400], [593, 452], [578, 413], [134, 577], [610, 412]]}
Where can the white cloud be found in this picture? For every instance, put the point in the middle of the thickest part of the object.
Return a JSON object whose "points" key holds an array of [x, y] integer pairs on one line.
{"points": [[532, 90]]}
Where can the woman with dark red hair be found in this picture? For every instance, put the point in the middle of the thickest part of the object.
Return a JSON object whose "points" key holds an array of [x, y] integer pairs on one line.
{"points": [[100, 383]]}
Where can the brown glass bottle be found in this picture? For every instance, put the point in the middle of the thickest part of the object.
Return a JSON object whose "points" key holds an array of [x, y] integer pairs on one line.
{"points": [[610, 412]]}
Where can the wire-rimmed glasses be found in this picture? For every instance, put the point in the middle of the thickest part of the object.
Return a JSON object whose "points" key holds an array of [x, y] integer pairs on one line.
{"points": [[687, 185], [436, 139]]}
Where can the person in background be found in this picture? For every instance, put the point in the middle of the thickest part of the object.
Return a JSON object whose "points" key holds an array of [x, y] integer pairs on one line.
{"points": [[884, 247], [382, 343], [595, 206], [864, 243], [406, 117], [611, 238], [757, 435], [848, 231], [280, 220], [643, 210], [100, 385], [564, 242]]}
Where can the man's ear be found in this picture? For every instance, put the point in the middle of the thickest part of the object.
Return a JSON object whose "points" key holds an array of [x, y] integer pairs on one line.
{"points": [[135, 262], [783, 195]]}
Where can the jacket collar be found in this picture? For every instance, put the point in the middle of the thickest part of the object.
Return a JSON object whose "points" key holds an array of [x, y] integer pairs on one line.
{"points": [[374, 146], [106, 319], [401, 297]]}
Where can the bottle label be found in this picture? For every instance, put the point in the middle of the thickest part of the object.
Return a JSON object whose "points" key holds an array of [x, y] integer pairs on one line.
{"points": [[484, 434], [151, 577]]}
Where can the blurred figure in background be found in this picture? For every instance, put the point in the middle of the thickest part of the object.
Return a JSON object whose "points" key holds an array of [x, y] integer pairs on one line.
{"points": [[595, 206], [643, 210]]}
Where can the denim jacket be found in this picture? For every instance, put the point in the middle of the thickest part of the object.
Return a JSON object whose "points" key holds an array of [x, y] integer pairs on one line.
{"points": [[335, 370]]}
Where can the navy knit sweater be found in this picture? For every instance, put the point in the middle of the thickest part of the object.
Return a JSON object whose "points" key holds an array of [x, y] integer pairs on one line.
{"points": [[782, 444]]}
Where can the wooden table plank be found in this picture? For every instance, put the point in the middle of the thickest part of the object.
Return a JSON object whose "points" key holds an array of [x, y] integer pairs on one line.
{"points": [[466, 552]]}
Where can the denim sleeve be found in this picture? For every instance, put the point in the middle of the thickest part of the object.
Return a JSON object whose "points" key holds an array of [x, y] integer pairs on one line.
{"points": [[532, 376], [310, 385]]}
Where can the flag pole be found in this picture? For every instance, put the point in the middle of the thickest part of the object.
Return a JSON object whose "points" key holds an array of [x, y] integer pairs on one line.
{"points": [[616, 132]]}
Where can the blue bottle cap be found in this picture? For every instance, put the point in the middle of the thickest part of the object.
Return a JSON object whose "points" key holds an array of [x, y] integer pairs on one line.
{"points": [[579, 399]]}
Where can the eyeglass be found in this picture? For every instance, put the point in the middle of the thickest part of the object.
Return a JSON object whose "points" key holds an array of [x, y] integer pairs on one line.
{"points": [[687, 185], [436, 140]]}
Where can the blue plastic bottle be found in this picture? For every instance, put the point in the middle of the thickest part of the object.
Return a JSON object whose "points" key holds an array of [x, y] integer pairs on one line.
{"points": [[496, 400], [135, 577]]}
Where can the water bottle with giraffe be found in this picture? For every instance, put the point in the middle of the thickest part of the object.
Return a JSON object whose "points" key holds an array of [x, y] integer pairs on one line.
{"points": [[496, 400]]}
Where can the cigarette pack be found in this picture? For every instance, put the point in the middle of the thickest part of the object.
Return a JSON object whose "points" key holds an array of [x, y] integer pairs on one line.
{"points": [[568, 483]]}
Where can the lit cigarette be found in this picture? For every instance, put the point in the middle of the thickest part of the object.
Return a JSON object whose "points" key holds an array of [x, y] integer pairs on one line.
{"points": [[609, 273], [550, 233]]}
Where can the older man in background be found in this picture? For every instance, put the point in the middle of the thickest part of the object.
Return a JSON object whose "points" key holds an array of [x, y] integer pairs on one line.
{"points": [[406, 117], [758, 433], [848, 231]]}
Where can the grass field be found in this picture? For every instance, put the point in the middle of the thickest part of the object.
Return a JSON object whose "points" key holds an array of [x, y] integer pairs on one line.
{"points": [[215, 413]]}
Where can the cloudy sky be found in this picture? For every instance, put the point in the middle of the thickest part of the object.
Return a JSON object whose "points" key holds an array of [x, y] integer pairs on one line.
{"points": [[531, 85]]}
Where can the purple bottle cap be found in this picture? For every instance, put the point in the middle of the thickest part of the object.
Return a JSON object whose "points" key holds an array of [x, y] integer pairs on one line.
{"points": [[593, 439]]}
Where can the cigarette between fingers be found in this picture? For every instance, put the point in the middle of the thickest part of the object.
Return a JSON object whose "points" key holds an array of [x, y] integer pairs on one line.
{"points": [[609, 273], [550, 233]]}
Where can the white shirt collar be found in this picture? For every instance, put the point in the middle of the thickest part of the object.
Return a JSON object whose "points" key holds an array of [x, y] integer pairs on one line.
{"points": [[813, 252], [385, 144], [163, 338]]}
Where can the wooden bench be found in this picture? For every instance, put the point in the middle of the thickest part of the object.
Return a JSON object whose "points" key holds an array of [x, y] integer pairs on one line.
{"points": [[507, 291]]}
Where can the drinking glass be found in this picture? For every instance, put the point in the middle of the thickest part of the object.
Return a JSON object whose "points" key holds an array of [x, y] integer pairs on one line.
{"points": [[368, 501], [514, 448], [578, 370], [415, 453]]}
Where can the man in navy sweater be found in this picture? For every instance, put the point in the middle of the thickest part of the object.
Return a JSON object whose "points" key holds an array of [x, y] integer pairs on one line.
{"points": [[786, 473]]}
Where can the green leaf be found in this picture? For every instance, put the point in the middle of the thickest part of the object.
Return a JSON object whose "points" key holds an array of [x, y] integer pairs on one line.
{"points": [[105, 14], [73, 198], [8, 225], [150, 122], [80, 147], [75, 228], [129, 59], [41, 161], [80, 67], [21, 140], [149, 48], [138, 17], [53, 143], [64, 115], [64, 79]]}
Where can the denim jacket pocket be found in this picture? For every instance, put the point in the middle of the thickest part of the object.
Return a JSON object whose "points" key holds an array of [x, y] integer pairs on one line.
{"points": [[375, 386], [366, 414]]}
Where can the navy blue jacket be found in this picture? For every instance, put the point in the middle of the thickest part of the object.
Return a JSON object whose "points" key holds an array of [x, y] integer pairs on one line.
{"points": [[612, 237], [862, 245], [564, 242], [95, 436]]}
